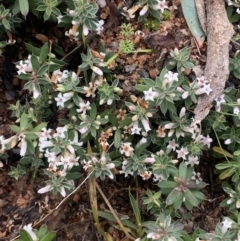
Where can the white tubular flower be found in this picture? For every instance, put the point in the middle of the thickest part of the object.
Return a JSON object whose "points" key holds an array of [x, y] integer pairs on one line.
{"points": [[36, 93], [45, 189], [228, 141], [146, 125], [101, 3], [182, 112], [29, 229], [109, 101], [85, 30], [23, 145], [144, 10], [97, 70]]}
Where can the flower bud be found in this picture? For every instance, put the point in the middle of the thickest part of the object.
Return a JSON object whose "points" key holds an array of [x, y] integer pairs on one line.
{"points": [[149, 114], [97, 70], [144, 10], [61, 88], [135, 118]]}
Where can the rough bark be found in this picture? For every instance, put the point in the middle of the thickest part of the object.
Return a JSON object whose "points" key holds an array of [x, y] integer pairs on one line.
{"points": [[219, 34]]}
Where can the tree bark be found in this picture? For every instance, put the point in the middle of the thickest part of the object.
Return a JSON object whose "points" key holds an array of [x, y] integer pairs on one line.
{"points": [[219, 34]]}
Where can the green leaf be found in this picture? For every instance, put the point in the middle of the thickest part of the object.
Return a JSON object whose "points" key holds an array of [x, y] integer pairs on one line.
{"points": [[35, 63], [190, 14], [58, 50], [42, 231], [49, 236], [15, 128], [149, 82], [191, 198], [183, 170], [30, 146], [226, 173], [113, 120], [44, 52], [24, 7], [43, 69], [25, 235], [73, 175], [93, 111], [23, 121], [6, 24], [126, 122], [33, 49], [39, 127], [141, 87], [167, 184], [15, 8], [135, 208], [117, 138]]}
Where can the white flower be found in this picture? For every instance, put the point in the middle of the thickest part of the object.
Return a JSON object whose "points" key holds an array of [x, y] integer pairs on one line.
{"points": [[220, 99], [196, 177], [83, 130], [86, 165], [185, 95], [192, 160], [238, 10], [44, 143], [51, 156], [126, 149], [29, 229], [135, 128], [204, 89], [84, 107], [109, 101], [201, 81], [59, 18], [226, 224], [21, 67], [144, 10], [228, 141], [97, 70], [36, 93], [146, 125], [85, 30], [23, 145], [99, 28], [182, 112], [172, 145], [101, 3], [206, 140], [45, 189], [182, 153], [62, 98], [60, 132], [46, 134], [150, 94], [236, 110], [161, 6], [171, 76]]}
